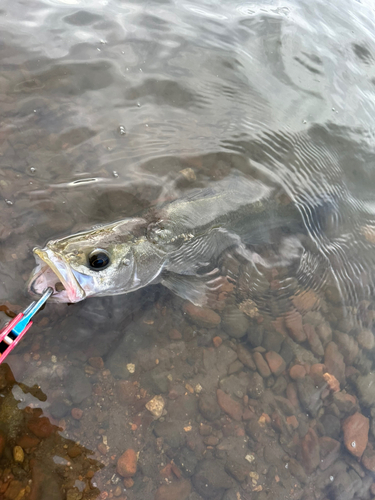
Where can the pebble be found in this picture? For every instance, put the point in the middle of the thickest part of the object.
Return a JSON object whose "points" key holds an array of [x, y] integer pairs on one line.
{"points": [[334, 362], [368, 458], [202, 316], [209, 407], [310, 450], [366, 389], [156, 406], [256, 386], [306, 301], [313, 340], [41, 427], [77, 385], [2, 443], [261, 365], [324, 332], [296, 372], [229, 406], [77, 413], [127, 463], [329, 451], [366, 339], [96, 362], [126, 392], [174, 334], [178, 490], [211, 480], [235, 323], [275, 362], [356, 429], [217, 341], [18, 454], [245, 356], [293, 322]]}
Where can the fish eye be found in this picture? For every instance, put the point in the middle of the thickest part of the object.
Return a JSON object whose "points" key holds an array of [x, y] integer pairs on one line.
{"points": [[98, 259]]}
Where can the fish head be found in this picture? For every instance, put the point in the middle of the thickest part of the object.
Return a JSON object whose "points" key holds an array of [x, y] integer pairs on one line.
{"points": [[98, 262]]}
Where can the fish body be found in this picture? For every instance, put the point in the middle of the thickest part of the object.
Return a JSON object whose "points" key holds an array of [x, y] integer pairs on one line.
{"points": [[169, 244]]}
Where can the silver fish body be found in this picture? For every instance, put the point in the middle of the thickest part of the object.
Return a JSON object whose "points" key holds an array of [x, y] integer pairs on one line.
{"points": [[170, 244]]}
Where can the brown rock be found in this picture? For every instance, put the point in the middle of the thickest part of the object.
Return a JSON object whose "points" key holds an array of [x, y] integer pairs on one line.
{"points": [[77, 413], [356, 428], [2, 443], [296, 372], [292, 421], [26, 441], [202, 315], [313, 340], [334, 362], [178, 490], [96, 362], [310, 451], [324, 332], [128, 483], [102, 448], [368, 458], [305, 301], [329, 451], [292, 394], [217, 341], [317, 374], [174, 334], [366, 339], [211, 440], [13, 491], [245, 356], [293, 322], [126, 392], [74, 451], [275, 362], [261, 365], [228, 405], [127, 463], [41, 427]]}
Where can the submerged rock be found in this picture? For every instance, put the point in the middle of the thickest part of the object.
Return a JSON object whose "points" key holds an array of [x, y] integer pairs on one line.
{"points": [[356, 429], [211, 480]]}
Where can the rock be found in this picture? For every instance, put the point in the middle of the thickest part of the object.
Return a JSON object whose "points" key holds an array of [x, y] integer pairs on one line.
{"points": [[127, 463], [217, 341], [156, 406], [41, 427], [2, 443], [297, 470], [329, 452], [331, 426], [256, 386], [334, 362], [156, 380], [366, 389], [209, 407], [309, 396], [18, 454], [179, 490], [126, 392], [235, 323], [302, 356], [346, 403], [285, 405], [235, 385], [292, 394], [245, 356], [59, 409], [317, 374], [296, 372], [275, 362], [365, 339], [239, 469], [187, 461], [235, 367], [305, 301], [26, 441], [324, 332], [75, 450], [202, 316], [310, 451], [293, 322], [368, 458], [286, 353], [211, 480], [96, 362], [261, 365], [347, 346], [313, 340], [13, 491], [255, 336], [229, 406], [171, 431], [77, 413], [356, 429], [174, 334], [272, 340], [77, 385]]}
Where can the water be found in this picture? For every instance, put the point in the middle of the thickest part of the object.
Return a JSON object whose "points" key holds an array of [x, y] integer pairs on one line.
{"points": [[110, 107]]}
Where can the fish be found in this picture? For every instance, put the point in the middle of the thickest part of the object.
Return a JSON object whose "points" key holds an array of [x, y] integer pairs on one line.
{"points": [[178, 244]]}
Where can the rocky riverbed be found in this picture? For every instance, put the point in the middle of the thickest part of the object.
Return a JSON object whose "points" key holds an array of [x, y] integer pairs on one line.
{"points": [[188, 403]]}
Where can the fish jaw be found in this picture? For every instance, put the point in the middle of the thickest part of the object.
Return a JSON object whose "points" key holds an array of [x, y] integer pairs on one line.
{"points": [[51, 269]]}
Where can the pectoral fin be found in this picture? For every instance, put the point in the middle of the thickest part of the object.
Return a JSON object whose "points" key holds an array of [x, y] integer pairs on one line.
{"points": [[197, 289]]}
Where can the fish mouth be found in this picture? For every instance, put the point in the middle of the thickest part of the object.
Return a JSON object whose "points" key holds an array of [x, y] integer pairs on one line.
{"points": [[52, 271]]}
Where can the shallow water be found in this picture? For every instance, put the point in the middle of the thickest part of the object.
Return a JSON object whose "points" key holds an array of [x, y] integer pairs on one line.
{"points": [[110, 108]]}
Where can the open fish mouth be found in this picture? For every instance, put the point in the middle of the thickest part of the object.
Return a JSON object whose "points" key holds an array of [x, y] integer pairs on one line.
{"points": [[52, 271]]}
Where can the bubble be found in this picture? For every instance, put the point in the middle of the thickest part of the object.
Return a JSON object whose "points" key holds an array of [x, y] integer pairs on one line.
{"points": [[8, 202], [331, 478], [138, 104], [354, 444], [122, 130], [32, 170], [115, 174]]}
